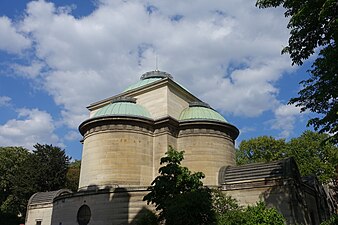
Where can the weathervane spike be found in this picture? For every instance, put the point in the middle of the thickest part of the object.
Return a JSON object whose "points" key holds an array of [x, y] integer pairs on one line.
{"points": [[156, 62]]}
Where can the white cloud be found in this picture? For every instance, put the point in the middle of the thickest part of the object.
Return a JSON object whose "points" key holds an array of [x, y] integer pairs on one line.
{"points": [[225, 52], [30, 71], [5, 101], [73, 135], [285, 119], [10, 39], [30, 127]]}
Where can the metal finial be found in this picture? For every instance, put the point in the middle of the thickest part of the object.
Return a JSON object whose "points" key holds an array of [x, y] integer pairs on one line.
{"points": [[156, 63]]}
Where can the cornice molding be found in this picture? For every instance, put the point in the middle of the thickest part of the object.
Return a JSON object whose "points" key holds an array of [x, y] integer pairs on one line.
{"points": [[165, 125]]}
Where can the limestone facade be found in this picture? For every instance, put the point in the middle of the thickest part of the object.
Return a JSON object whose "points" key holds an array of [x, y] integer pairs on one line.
{"points": [[126, 150], [118, 206]]}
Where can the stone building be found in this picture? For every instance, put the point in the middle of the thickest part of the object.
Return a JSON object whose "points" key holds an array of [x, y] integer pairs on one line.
{"points": [[126, 135]]}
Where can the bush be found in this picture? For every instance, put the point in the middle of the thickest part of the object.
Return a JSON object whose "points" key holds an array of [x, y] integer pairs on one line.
{"points": [[332, 221], [228, 212], [260, 214], [147, 218]]}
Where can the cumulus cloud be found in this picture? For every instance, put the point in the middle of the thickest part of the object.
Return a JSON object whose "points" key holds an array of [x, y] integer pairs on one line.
{"points": [[5, 101], [285, 119], [227, 52], [10, 39], [31, 126], [73, 135], [32, 70]]}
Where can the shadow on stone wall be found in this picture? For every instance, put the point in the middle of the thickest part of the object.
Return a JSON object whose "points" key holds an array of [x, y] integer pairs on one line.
{"points": [[107, 206], [144, 214], [287, 197]]}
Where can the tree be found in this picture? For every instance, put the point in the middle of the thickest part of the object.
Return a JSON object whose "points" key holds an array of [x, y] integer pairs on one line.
{"points": [[73, 175], [179, 194], [15, 184], [51, 165], [260, 149], [313, 155], [314, 24], [23, 173]]}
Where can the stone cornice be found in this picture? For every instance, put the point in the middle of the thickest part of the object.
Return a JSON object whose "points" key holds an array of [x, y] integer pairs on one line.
{"points": [[113, 122], [165, 125], [227, 128]]}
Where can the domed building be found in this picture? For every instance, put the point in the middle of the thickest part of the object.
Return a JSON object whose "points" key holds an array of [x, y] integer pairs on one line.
{"points": [[123, 140]]}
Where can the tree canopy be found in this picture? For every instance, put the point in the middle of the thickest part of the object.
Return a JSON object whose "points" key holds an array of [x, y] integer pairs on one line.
{"points": [[73, 175], [178, 194], [15, 186], [314, 25], [313, 155], [260, 149], [23, 173], [51, 165]]}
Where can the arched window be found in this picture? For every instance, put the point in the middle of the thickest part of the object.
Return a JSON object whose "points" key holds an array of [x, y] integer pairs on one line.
{"points": [[83, 215]]}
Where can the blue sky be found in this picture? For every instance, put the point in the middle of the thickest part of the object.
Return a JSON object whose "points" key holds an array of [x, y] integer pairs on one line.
{"points": [[57, 57]]}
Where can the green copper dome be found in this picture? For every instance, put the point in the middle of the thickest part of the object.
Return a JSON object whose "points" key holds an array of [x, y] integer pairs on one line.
{"points": [[200, 111], [123, 107], [141, 83], [149, 77]]}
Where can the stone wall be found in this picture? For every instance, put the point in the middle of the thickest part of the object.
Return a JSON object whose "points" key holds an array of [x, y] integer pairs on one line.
{"points": [[206, 151], [287, 196], [117, 154], [120, 206], [39, 212]]}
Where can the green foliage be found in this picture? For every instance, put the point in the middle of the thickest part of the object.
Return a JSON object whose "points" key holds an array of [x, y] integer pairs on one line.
{"points": [[313, 155], [181, 199], [332, 221], [15, 183], [227, 209], [228, 212], [260, 149], [147, 218], [222, 203], [23, 173], [51, 165], [178, 194], [314, 24], [190, 208], [73, 175], [320, 93], [260, 214]]}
